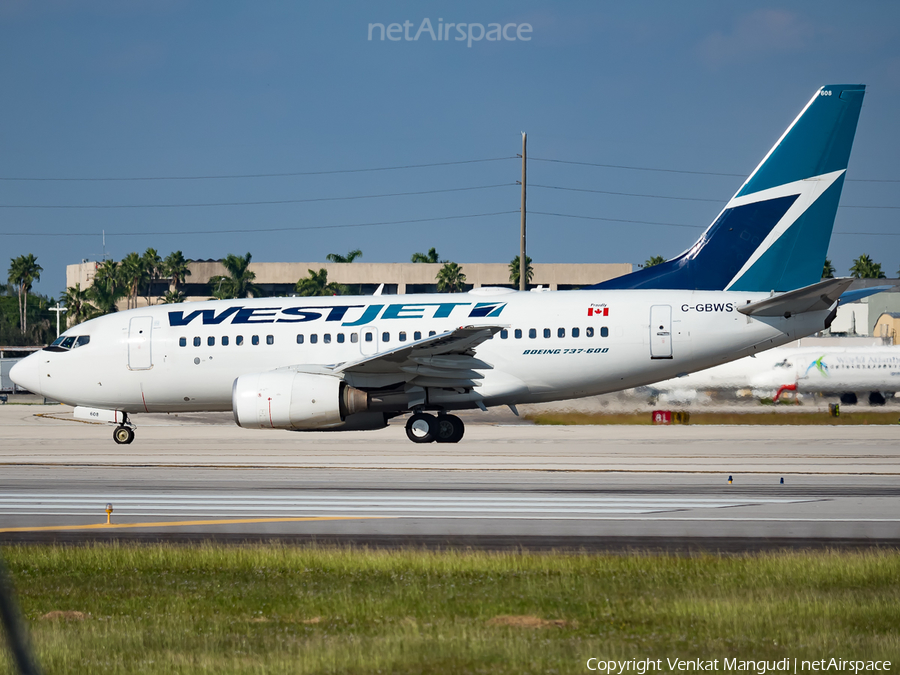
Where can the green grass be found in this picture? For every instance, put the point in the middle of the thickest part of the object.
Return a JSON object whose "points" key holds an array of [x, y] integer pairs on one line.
{"points": [[281, 609], [767, 417]]}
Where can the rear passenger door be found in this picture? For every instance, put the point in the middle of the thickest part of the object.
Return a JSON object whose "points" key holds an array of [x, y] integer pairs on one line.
{"points": [[661, 332]]}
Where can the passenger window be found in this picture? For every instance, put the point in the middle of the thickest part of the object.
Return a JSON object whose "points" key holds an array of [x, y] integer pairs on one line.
{"points": [[196, 341], [385, 337], [354, 338], [313, 339], [270, 339], [82, 340], [576, 332], [211, 341], [589, 332], [532, 333], [369, 337], [255, 339], [224, 340], [239, 340], [560, 332], [417, 335], [326, 338], [518, 333], [182, 342], [340, 338], [504, 334], [299, 338], [402, 336], [546, 332], [604, 332], [431, 333]]}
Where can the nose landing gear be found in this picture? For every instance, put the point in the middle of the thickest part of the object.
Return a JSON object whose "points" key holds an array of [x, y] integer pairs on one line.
{"points": [[424, 428], [124, 433]]}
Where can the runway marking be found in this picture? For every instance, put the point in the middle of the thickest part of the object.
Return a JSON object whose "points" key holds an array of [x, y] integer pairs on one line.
{"points": [[183, 523], [345, 504]]}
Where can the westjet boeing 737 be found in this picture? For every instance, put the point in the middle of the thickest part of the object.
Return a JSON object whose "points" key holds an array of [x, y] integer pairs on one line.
{"points": [[750, 283]]}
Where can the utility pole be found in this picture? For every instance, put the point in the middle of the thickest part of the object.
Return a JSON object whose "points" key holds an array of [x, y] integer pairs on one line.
{"points": [[523, 277], [58, 310]]}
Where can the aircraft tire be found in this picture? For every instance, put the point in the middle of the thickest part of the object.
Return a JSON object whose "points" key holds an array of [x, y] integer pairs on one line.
{"points": [[123, 435], [422, 428], [450, 429], [848, 398], [876, 398]]}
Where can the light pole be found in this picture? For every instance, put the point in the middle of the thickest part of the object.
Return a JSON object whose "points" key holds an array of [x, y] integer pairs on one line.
{"points": [[59, 310]]}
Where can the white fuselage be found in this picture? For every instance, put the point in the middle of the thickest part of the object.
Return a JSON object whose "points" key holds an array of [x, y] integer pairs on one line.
{"points": [[557, 345], [807, 369]]}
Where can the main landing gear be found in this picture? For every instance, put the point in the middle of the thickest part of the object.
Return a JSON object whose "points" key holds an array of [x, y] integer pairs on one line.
{"points": [[424, 428], [124, 433]]}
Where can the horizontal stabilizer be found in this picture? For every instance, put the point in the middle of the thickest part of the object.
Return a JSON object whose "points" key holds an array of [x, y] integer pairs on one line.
{"points": [[815, 298], [860, 293]]}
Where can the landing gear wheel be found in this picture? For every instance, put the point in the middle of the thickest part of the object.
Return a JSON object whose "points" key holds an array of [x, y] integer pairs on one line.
{"points": [[123, 435], [421, 428], [876, 398], [450, 429], [848, 398]]}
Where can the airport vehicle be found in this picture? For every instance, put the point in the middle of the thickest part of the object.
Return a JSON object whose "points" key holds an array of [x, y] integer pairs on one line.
{"points": [[848, 372], [750, 283]]}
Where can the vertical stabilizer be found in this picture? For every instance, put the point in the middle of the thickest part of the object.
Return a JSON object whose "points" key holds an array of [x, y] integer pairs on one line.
{"points": [[774, 233]]}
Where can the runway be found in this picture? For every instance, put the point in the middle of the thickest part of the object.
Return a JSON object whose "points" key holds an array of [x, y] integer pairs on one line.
{"points": [[658, 488]]}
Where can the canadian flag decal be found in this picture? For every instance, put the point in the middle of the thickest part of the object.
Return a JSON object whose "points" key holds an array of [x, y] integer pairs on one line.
{"points": [[598, 311]]}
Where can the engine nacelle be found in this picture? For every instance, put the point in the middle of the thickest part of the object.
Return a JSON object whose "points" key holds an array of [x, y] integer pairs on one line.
{"points": [[290, 400]]}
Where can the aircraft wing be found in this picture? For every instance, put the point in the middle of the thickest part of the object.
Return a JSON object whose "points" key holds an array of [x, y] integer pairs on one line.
{"points": [[814, 298], [443, 360]]}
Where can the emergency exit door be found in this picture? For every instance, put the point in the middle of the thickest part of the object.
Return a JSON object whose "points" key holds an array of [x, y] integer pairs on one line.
{"points": [[139, 333], [661, 332]]}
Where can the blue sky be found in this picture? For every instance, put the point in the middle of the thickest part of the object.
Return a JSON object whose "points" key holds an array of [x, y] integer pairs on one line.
{"points": [[114, 89]]}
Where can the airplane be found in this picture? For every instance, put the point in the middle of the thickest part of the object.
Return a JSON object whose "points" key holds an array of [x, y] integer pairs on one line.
{"points": [[750, 283], [841, 371]]}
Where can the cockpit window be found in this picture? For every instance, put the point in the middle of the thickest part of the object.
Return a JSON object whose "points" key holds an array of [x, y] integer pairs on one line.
{"points": [[66, 342]]}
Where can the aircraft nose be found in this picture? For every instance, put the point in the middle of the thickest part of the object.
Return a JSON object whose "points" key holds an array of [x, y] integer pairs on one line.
{"points": [[26, 373]]}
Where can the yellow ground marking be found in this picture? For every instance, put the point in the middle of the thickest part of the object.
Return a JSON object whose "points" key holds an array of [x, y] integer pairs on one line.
{"points": [[182, 523]]}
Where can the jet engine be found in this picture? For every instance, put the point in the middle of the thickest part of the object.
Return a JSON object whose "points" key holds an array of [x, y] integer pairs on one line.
{"points": [[291, 400]]}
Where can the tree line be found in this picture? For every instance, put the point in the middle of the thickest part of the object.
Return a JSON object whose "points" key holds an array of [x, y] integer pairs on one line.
{"points": [[137, 275]]}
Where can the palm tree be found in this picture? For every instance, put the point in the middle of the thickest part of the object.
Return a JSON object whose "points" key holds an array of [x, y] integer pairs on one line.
{"points": [[172, 297], [349, 258], [654, 261], [107, 288], [153, 264], [78, 305], [450, 279], [828, 270], [134, 273], [317, 284], [514, 271], [176, 268], [239, 282], [865, 268], [430, 257], [23, 272]]}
